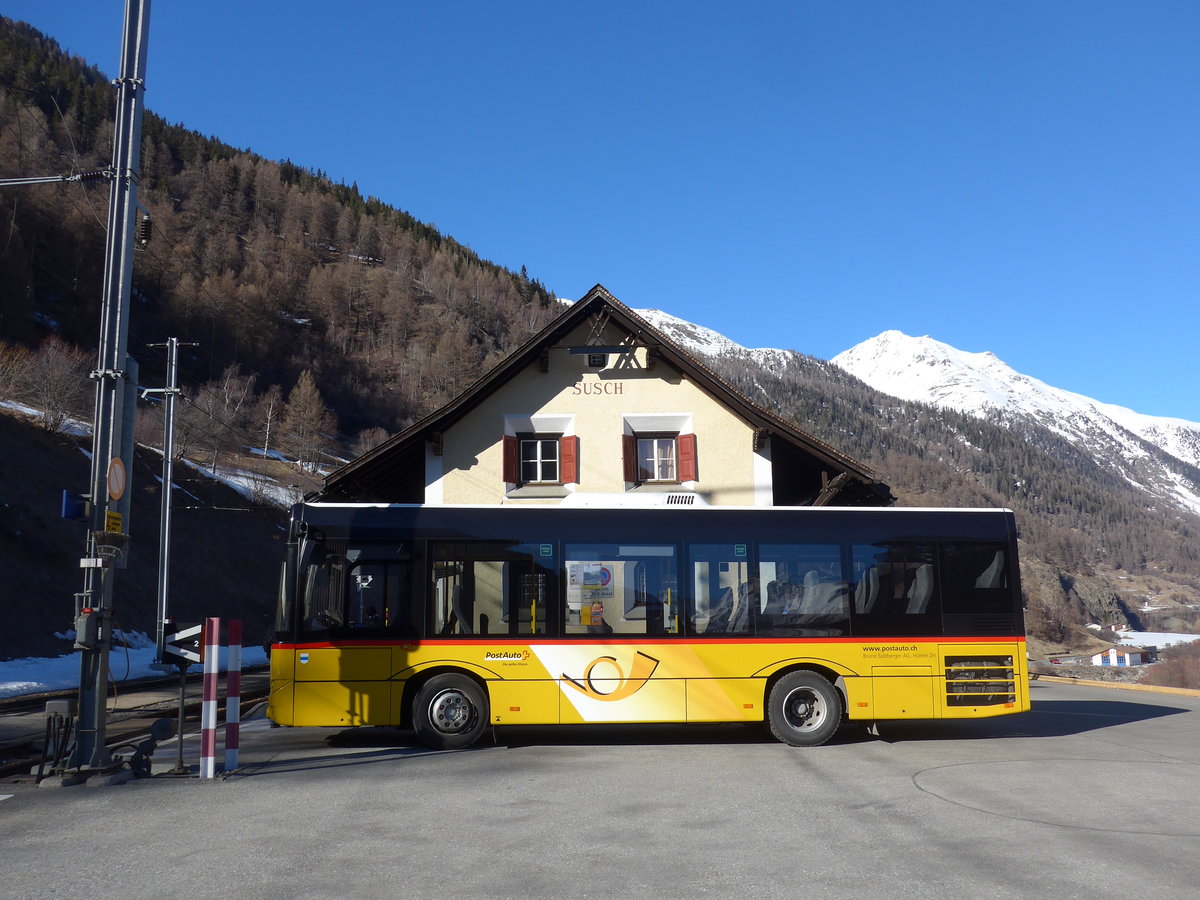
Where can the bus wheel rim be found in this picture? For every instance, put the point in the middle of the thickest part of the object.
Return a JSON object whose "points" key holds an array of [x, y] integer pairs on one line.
{"points": [[451, 711], [804, 709]]}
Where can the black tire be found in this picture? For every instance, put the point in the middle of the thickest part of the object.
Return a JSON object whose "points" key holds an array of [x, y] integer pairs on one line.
{"points": [[450, 712], [804, 709]]}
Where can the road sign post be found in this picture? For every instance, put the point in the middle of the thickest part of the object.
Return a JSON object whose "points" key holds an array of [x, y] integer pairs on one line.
{"points": [[182, 648]]}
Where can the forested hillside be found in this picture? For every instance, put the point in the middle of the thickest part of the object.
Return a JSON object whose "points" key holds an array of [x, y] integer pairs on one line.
{"points": [[271, 268], [325, 320]]}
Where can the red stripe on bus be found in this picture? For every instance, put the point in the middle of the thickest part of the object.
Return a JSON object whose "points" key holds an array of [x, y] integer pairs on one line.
{"points": [[535, 642]]}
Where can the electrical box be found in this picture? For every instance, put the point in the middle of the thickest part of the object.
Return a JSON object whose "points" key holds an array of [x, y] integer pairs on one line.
{"points": [[87, 630], [76, 506], [61, 709]]}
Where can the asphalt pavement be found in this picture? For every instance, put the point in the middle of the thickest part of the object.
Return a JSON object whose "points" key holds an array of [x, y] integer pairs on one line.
{"points": [[1091, 794]]}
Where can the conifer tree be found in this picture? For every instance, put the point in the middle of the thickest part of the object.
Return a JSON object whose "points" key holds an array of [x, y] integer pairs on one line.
{"points": [[308, 424]]}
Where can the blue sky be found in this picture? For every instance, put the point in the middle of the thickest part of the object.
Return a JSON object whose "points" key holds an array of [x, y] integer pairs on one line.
{"points": [[1020, 177]]}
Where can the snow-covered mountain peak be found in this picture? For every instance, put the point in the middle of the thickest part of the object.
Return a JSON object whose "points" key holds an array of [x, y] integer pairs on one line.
{"points": [[704, 341], [692, 337], [928, 371], [925, 369]]}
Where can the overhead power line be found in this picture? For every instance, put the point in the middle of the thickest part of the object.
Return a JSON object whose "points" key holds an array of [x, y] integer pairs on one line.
{"points": [[84, 177]]}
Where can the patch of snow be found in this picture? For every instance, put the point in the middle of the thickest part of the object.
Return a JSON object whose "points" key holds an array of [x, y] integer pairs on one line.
{"points": [[250, 485], [1158, 639], [71, 426], [37, 675]]}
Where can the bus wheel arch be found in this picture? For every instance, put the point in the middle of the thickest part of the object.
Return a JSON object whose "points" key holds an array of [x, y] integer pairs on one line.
{"points": [[448, 709], [805, 706]]}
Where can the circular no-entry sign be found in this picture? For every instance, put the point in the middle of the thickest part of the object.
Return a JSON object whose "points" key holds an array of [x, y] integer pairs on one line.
{"points": [[116, 479]]}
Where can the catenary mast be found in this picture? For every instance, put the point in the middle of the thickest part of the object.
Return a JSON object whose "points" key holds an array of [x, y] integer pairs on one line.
{"points": [[116, 393]]}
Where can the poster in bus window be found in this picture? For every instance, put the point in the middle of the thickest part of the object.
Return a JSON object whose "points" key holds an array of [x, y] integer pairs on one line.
{"points": [[588, 585], [593, 580]]}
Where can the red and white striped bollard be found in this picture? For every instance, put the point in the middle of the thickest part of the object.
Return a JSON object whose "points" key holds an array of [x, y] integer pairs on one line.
{"points": [[208, 705], [233, 695]]}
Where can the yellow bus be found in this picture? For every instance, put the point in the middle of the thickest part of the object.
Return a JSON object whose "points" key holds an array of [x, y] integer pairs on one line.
{"points": [[451, 619]]}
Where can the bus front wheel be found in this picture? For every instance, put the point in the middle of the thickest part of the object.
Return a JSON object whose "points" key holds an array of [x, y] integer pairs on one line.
{"points": [[450, 712], [804, 709]]}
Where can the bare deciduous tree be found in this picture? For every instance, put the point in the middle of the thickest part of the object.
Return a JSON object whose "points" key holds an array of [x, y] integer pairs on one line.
{"points": [[14, 363], [57, 383], [266, 415], [368, 439]]}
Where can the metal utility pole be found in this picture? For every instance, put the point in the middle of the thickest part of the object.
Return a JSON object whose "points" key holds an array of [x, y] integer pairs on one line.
{"points": [[170, 392], [112, 443]]}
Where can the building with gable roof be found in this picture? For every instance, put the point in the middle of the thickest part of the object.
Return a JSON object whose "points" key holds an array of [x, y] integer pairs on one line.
{"points": [[1120, 656], [601, 407]]}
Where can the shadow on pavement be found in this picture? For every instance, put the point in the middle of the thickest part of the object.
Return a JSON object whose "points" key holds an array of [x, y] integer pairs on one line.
{"points": [[375, 745], [1047, 718]]}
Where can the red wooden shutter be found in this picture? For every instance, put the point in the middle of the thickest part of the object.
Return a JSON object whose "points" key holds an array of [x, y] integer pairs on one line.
{"points": [[570, 459], [688, 466], [629, 452], [512, 463]]}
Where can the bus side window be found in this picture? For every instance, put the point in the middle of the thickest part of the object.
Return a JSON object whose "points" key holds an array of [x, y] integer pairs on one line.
{"points": [[805, 591], [487, 587], [977, 595], [895, 588], [621, 589]]}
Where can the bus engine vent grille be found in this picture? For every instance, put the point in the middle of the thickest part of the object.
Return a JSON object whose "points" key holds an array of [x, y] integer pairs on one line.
{"points": [[980, 681], [993, 624], [681, 499]]}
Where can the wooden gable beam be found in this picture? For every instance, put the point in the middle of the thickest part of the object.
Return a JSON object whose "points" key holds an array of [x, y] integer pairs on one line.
{"points": [[830, 489], [597, 323]]}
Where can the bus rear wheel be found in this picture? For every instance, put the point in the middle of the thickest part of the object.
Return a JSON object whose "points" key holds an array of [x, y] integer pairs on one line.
{"points": [[804, 709], [450, 712]]}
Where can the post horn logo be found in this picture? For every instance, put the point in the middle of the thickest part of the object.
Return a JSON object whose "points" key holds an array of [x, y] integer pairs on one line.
{"points": [[643, 668]]}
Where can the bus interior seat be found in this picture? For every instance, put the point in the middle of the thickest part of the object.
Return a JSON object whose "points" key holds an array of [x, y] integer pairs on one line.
{"points": [[991, 577], [825, 599], [720, 613], [457, 605], [809, 593], [741, 617], [921, 591], [791, 595], [866, 593], [774, 604]]}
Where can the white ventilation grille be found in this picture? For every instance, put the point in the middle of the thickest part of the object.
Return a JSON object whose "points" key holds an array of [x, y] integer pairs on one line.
{"points": [[634, 499]]}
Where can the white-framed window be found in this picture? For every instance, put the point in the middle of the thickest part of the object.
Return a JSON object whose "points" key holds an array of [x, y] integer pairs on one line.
{"points": [[659, 449], [540, 451], [539, 459], [657, 459]]}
